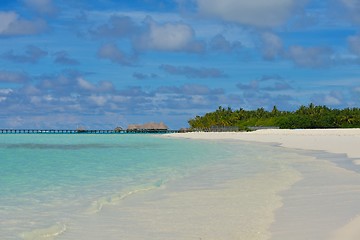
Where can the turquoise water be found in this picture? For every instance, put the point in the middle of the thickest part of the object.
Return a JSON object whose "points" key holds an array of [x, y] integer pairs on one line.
{"points": [[46, 180], [51, 183]]}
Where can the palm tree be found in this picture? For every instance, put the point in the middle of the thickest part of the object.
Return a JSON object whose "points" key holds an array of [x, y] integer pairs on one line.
{"points": [[275, 112]]}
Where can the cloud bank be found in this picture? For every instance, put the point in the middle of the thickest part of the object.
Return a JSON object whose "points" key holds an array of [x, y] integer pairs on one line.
{"points": [[12, 25], [257, 13]]}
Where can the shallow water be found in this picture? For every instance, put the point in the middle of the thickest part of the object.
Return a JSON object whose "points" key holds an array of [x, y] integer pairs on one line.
{"points": [[140, 187], [46, 180]]}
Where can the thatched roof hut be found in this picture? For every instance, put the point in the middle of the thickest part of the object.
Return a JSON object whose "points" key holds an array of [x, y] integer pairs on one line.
{"points": [[148, 126], [80, 129], [184, 130], [118, 129]]}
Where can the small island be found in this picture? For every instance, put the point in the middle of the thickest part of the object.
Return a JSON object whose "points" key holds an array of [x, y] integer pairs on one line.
{"points": [[305, 117]]}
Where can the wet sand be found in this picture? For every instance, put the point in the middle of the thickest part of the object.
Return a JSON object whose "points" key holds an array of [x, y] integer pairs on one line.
{"points": [[324, 203]]}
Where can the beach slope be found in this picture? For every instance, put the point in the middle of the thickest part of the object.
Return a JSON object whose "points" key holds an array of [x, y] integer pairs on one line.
{"points": [[324, 203]]}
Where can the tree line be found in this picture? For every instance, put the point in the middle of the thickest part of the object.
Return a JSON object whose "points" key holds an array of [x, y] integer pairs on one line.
{"points": [[304, 117]]}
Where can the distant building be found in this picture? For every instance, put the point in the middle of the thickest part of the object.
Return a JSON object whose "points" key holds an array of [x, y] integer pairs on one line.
{"points": [[184, 130], [80, 129], [148, 126], [118, 129]]}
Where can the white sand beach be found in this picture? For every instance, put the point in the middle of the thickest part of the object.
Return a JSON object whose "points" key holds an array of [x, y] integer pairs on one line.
{"points": [[346, 141], [270, 186], [323, 203]]}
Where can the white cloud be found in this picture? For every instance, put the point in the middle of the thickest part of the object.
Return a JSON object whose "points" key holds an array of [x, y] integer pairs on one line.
{"points": [[32, 55], [85, 85], [191, 72], [103, 86], [98, 100], [11, 24], [168, 37], [272, 45], [312, 57], [6, 18], [259, 13], [14, 122], [147, 35], [220, 43], [333, 98], [199, 100], [30, 91], [13, 77], [353, 6], [4, 92], [41, 6], [113, 53], [118, 26], [354, 44]]}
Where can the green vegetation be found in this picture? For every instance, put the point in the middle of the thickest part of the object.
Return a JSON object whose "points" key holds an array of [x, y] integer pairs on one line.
{"points": [[305, 117]]}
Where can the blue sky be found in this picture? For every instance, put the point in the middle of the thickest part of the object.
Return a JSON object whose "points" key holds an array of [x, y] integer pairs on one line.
{"points": [[107, 63]]}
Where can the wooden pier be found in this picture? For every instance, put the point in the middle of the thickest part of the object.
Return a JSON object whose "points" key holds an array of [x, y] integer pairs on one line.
{"points": [[67, 131]]}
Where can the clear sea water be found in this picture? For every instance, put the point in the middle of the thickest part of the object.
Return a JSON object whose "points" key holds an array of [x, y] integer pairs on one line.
{"points": [[48, 181]]}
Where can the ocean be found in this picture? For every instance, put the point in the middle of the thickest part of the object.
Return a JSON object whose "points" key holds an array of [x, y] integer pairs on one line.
{"points": [[140, 186]]}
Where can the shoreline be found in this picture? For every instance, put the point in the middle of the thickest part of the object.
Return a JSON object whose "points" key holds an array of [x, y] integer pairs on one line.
{"points": [[338, 141], [323, 204]]}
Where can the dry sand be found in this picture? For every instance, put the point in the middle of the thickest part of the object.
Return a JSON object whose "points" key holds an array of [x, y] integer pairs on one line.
{"points": [[345, 141], [326, 199]]}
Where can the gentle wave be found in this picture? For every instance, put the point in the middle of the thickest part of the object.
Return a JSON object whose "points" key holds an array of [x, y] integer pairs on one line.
{"points": [[45, 233], [97, 205]]}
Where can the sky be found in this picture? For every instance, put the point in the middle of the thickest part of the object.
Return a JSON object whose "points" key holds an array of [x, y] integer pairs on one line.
{"points": [[108, 63]]}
